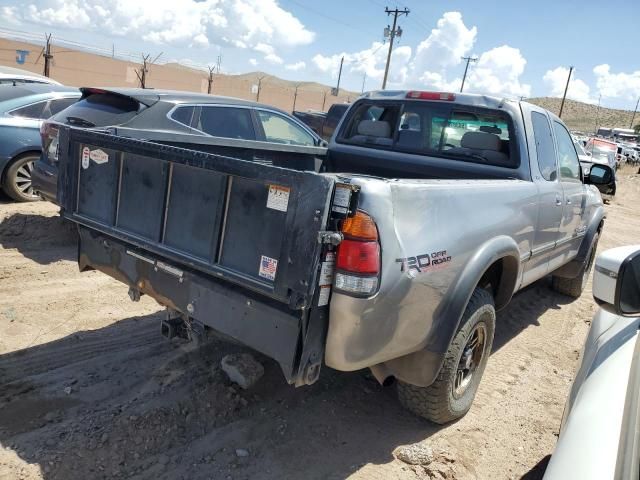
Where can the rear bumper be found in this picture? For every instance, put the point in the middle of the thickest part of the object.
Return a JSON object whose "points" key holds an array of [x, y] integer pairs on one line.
{"points": [[258, 322], [44, 179]]}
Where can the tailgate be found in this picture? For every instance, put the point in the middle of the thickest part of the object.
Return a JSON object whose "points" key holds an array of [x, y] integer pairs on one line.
{"points": [[229, 243], [250, 224]]}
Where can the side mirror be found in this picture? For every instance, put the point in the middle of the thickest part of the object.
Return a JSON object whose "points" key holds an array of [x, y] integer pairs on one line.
{"points": [[616, 281], [603, 178]]}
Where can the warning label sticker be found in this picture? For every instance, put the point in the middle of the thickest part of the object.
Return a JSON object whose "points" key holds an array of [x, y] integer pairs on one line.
{"points": [[99, 156], [326, 271], [268, 268], [85, 157], [278, 198], [341, 199], [323, 296]]}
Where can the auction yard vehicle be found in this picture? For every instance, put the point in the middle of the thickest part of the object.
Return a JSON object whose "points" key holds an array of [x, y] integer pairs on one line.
{"points": [[324, 124], [430, 211]]}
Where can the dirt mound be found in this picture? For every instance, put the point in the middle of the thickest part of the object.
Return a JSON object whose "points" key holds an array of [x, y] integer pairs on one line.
{"points": [[22, 229]]}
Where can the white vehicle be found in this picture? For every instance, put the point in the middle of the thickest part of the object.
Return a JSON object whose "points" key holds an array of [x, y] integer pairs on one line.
{"points": [[600, 431], [11, 76]]}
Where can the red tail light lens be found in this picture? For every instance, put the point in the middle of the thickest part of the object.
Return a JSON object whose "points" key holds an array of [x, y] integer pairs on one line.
{"points": [[450, 97], [358, 257]]}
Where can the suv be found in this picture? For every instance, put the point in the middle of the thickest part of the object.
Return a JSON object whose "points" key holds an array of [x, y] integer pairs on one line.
{"points": [[221, 125]]}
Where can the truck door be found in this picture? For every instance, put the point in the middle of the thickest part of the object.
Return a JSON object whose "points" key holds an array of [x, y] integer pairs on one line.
{"points": [[571, 228], [544, 172]]}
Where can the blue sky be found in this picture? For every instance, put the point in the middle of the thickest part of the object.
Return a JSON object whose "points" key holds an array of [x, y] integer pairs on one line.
{"points": [[523, 48]]}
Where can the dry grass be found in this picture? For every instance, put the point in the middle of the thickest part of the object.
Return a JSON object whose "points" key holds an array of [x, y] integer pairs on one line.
{"points": [[582, 116]]}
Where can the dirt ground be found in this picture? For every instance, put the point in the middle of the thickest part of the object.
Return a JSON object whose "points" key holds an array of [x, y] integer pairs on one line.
{"points": [[89, 388]]}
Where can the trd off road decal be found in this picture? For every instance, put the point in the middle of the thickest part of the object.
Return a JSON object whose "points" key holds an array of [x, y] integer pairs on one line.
{"points": [[424, 263]]}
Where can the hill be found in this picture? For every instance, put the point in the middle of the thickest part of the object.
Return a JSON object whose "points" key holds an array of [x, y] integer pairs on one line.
{"points": [[582, 116]]}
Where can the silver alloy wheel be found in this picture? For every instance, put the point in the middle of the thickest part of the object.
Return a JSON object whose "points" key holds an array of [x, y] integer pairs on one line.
{"points": [[470, 360], [22, 179]]}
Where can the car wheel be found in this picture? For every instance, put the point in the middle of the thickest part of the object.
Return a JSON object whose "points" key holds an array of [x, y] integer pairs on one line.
{"points": [[17, 180], [452, 393], [573, 287]]}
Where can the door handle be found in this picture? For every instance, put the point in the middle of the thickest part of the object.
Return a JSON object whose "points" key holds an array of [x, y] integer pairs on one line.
{"points": [[558, 201], [568, 201]]}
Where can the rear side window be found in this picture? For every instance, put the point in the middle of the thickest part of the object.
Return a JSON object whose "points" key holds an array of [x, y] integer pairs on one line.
{"points": [[226, 122], [34, 110], [183, 115], [278, 129], [100, 110], [544, 146], [57, 105], [439, 129]]}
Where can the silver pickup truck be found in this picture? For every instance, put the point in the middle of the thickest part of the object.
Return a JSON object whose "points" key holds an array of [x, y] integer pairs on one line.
{"points": [[428, 212]]}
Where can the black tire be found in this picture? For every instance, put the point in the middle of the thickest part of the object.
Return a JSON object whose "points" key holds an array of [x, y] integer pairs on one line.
{"points": [[17, 179], [573, 287], [441, 402]]}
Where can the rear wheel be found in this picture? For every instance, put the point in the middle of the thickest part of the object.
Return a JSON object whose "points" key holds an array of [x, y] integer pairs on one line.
{"points": [[17, 180], [573, 287], [451, 395]]}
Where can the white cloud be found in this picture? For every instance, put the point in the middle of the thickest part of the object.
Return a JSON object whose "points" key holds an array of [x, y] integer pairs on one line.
{"points": [[556, 81], [239, 23], [296, 66], [269, 53], [370, 61], [618, 85], [253, 62], [444, 46], [497, 72]]}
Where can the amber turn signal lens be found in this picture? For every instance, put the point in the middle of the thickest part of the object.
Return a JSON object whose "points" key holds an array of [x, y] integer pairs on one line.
{"points": [[361, 226]]}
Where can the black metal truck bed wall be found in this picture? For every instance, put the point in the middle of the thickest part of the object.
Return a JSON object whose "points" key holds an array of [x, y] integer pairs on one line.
{"points": [[249, 224], [265, 325]]}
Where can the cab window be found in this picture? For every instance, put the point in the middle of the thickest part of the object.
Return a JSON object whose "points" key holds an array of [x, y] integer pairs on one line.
{"points": [[278, 129], [544, 146], [567, 156]]}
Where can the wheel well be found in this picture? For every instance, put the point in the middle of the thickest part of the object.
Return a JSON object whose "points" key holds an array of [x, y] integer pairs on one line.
{"points": [[500, 280], [15, 159]]}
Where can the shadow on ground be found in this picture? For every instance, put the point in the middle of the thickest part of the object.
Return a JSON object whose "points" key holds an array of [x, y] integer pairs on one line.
{"points": [[43, 239], [122, 402]]}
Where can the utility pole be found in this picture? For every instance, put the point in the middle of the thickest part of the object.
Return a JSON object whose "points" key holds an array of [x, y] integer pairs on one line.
{"points": [[466, 68], [634, 113], [392, 34], [295, 96], [565, 92], [218, 63], [46, 53], [336, 92], [210, 80], [595, 130], [364, 79], [259, 87]]}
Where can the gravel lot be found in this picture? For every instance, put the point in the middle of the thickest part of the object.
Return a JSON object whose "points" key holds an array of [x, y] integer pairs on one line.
{"points": [[89, 388]]}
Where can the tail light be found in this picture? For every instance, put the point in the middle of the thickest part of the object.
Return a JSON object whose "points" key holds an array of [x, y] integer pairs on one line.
{"points": [[49, 135], [418, 95], [358, 256]]}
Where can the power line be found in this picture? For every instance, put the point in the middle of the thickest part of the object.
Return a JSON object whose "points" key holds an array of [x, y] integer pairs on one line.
{"points": [[392, 34], [328, 17]]}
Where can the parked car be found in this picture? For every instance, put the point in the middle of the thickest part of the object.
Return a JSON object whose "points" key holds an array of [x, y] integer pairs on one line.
{"points": [[22, 110], [430, 212], [17, 76], [599, 432], [221, 125], [324, 124]]}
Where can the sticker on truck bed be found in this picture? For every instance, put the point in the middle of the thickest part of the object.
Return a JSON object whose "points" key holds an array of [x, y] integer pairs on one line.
{"points": [[326, 272], [85, 157], [278, 198], [323, 296], [341, 199], [99, 156], [268, 268]]}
